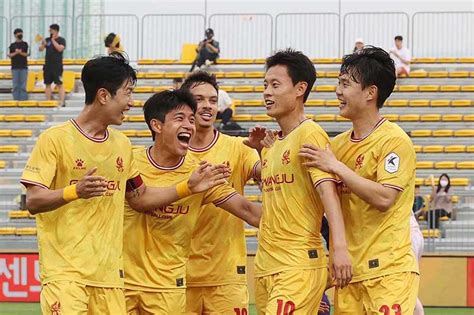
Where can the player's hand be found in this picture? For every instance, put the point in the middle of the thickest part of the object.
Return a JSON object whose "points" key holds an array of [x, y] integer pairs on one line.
{"points": [[91, 186], [324, 159], [207, 176], [341, 267], [324, 308], [256, 138]]}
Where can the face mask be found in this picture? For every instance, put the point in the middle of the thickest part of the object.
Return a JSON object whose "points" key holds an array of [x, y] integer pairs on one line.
{"points": [[443, 182], [20, 36]]}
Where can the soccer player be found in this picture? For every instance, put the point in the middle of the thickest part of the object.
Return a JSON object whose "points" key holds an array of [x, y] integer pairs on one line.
{"points": [[77, 178], [157, 242], [216, 270], [291, 265], [376, 161]]}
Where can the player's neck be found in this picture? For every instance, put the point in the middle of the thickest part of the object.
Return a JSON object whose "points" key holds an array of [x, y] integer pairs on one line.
{"points": [[365, 124], [162, 157], [91, 123], [202, 138], [289, 122]]}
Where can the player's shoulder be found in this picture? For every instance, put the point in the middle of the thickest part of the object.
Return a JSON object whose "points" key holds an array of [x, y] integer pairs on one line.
{"points": [[308, 127], [117, 135], [139, 152], [342, 137], [390, 131], [58, 131]]}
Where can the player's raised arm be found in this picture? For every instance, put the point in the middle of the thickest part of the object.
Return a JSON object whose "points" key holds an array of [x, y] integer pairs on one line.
{"points": [[240, 207], [143, 198]]}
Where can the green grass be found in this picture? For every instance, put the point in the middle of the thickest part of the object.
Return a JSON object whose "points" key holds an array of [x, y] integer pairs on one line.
{"points": [[34, 308]]}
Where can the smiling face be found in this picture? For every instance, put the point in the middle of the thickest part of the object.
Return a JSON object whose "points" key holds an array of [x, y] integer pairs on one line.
{"points": [[353, 99], [279, 93], [116, 105], [176, 131], [206, 99]]}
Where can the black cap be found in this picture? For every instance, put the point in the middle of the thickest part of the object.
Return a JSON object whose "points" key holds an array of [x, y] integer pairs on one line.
{"points": [[17, 30], [209, 31]]}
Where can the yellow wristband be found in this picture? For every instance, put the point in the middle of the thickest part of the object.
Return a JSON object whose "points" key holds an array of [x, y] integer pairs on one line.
{"points": [[183, 190], [70, 193]]}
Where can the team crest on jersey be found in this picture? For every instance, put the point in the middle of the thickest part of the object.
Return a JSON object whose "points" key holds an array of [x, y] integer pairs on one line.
{"points": [[359, 162], [392, 163], [227, 163], [119, 164], [264, 163], [285, 159], [80, 164], [56, 308]]}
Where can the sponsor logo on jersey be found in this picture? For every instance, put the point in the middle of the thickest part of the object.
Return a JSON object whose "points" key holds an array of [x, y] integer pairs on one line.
{"points": [[392, 163], [79, 164]]}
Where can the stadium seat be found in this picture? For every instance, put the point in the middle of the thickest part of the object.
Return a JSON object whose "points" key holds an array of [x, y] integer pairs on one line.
{"points": [[145, 61], [418, 74], [8, 103], [242, 117], [325, 88], [251, 232], [398, 103], [18, 214], [423, 60], [48, 103], [174, 75], [252, 103], [428, 88], [154, 75], [419, 103], [408, 88], [461, 103], [455, 148], [443, 133], [7, 230], [261, 117], [164, 61], [143, 133], [335, 103], [254, 74], [464, 133], [465, 165], [243, 61], [227, 88], [452, 117], [188, 53], [244, 88], [129, 133], [470, 149], [424, 164], [25, 231], [136, 118], [161, 88], [14, 118], [224, 61], [258, 88], [459, 181], [31, 103], [3, 164], [35, 118], [445, 164], [440, 103], [458, 74], [468, 117], [446, 60], [5, 132], [438, 74], [391, 117], [332, 74], [325, 117], [444, 219], [315, 103], [432, 149], [467, 88], [9, 148], [430, 117], [143, 89], [22, 133], [234, 74], [417, 148], [410, 117], [465, 60], [431, 233], [450, 88], [138, 103], [260, 61]]}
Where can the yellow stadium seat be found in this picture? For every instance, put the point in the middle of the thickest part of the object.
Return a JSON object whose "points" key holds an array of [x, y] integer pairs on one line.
{"points": [[466, 60], [261, 117], [439, 103], [465, 165], [398, 103], [458, 74], [408, 88], [410, 117], [188, 53], [431, 233], [251, 232], [450, 88], [418, 74], [253, 198], [219, 74], [446, 60], [455, 148], [259, 88], [244, 88], [239, 103], [81, 61], [18, 214], [9, 148], [320, 74], [224, 61], [7, 230], [226, 88], [470, 149], [325, 117], [325, 88], [432, 149], [430, 117], [14, 118], [242, 117], [154, 75], [461, 103], [25, 231], [143, 133], [143, 89], [443, 133], [471, 74], [459, 181], [28, 103], [419, 181], [2, 117], [417, 148], [164, 61], [421, 133], [428, 88], [424, 164], [444, 219], [136, 118], [438, 74], [254, 74], [8, 103], [5, 133], [315, 103], [464, 133], [35, 118], [445, 164], [309, 116], [48, 103], [77, 75], [245, 61], [234, 74], [332, 74], [468, 117], [340, 118], [452, 117], [332, 103], [22, 133], [467, 88], [455, 199], [145, 61], [259, 61], [137, 103], [252, 102], [162, 88], [326, 60], [3, 164], [129, 133], [69, 81], [423, 60], [174, 75], [419, 103]]}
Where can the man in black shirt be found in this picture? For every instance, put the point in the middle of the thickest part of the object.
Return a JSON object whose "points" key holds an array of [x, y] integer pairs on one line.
{"points": [[207, 51], [18, 53], [53, 66]]}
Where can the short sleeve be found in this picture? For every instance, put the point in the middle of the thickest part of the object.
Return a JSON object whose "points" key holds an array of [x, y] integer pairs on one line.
{"points": [[41, 167], [62, 41], [397, 163], [12, 48], [26, 47], [219, 194], [216, 44], [250, 162], [319, 140], [133, 170]]}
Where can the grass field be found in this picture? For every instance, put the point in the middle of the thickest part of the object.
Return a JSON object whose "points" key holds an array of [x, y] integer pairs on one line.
{"points": [[34, 308]]}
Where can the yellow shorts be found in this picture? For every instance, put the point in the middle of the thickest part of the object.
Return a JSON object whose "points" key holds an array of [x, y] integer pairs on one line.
{"points": [[231, 299], [172, 302], [288, 292], [69, 297], [389, 295]]}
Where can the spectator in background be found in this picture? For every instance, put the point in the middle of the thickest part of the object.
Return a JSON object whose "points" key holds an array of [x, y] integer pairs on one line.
{"points": [[419, 202], [53, 65], [207, 51], [358, 45], [441, 203], [177, 82], [401, 56], [112, 43], [224, 107], [18, 55]]}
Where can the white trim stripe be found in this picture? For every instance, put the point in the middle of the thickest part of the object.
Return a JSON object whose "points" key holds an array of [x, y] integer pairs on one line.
{"points": [[325, 180], [164, 168], [209, 146], [393, 187], [221, 201], [98, 140], [381, 121]]}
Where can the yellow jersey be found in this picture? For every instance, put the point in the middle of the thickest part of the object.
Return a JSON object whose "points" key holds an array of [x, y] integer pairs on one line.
{"points": [[157, 243], [289, 237], [218, 247], [82, 240], [379, 242]]}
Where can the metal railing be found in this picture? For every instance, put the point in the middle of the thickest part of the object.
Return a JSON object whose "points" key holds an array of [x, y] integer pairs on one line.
{"points": [[4, 35]]}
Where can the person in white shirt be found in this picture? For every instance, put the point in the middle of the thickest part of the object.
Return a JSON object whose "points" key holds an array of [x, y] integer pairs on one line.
{"points": [[401, 56], [224, 105]]}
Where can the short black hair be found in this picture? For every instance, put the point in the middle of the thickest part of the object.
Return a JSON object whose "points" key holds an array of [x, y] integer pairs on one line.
{"points": [[399, 37], [108, 72], [200, 77], [17, 30], [160, 104], [371, 66], [54, 27], [300, 68], [109, 39]]}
